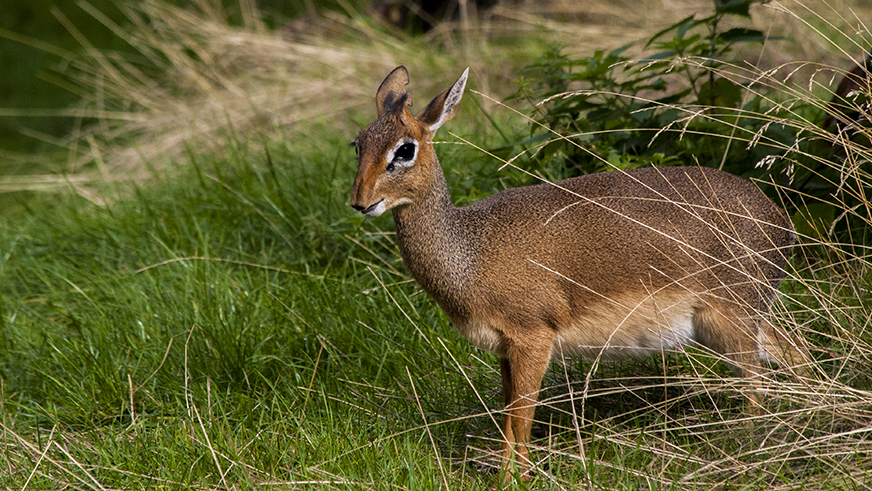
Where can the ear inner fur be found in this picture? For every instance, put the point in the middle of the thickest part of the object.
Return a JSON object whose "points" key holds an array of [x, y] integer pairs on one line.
{"points": [[391, 95], [444, 106]]}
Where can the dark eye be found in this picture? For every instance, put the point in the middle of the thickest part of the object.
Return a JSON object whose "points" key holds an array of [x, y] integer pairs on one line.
{"points": [[405, 152]]}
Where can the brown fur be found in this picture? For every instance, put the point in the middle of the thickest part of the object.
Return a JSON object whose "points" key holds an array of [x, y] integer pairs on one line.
{"points": [[614, 264]]}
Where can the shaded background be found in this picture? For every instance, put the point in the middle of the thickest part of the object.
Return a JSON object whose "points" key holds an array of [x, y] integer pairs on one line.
{"points": [[33, 39]]}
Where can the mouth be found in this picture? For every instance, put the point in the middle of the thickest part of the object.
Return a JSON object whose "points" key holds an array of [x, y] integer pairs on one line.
{"points": [[375, 210]]}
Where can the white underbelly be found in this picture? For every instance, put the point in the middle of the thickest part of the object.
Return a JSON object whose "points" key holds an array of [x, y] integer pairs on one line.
{"points": [[633, 338], [482, 335], [626, 328], [617, 328], [609, 334]]}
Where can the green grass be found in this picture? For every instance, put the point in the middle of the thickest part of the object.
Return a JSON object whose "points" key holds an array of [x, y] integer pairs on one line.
{"points": [[237, 326], [228, 322], [221, 311]]}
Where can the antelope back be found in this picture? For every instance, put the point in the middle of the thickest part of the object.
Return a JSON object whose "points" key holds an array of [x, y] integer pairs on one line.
{"points": [[395, 156]]}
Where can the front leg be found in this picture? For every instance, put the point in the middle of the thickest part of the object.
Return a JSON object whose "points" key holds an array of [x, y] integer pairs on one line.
{"points": [[522, 370]]}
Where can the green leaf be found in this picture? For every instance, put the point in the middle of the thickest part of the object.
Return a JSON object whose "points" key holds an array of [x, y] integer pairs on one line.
{"points": [[742, 35], [659, 56], [722, 92], [522, 143], [552, 148], [616, 53], [736, 7], [657, 36], [683, 28], [814, 220]]}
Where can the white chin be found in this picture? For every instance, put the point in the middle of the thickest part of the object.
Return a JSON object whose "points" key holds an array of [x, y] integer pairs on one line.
{"points": [[378, 210]]}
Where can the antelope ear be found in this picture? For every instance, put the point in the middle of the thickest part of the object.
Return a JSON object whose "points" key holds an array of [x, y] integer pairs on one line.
{"points": [[392, 94], [445, 105]]}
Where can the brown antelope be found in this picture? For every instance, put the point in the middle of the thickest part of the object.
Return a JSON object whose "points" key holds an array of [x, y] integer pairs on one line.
{"points": [[613, 264]]}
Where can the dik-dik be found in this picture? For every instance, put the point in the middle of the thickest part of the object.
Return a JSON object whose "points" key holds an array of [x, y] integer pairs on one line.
{"points": [[615, 264]]}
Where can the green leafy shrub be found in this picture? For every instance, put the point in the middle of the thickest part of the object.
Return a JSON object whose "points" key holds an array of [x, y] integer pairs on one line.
{"points": [[674, 106], [690, 99]]}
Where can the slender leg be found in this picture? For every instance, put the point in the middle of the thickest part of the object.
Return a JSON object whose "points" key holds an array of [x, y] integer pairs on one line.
{"points": [[732, 332], [508, 394], [748, 360], [782, 347], [522, 370]]}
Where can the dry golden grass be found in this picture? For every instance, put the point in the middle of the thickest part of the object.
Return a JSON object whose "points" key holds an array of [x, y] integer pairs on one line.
{"points": [[193, 79]]}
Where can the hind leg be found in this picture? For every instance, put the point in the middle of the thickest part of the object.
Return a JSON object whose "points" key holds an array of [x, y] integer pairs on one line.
{"points": [[782, 348], [728, 330]]}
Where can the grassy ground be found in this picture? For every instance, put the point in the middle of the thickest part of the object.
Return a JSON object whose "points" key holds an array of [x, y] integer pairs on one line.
{"points": [[224, 321]]}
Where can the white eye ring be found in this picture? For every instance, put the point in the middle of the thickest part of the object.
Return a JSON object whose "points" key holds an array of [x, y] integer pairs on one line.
{"points": [[392, 153]]}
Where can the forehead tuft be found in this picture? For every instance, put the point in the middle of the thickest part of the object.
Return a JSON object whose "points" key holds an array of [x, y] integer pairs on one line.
{"points": [[386, 130]]}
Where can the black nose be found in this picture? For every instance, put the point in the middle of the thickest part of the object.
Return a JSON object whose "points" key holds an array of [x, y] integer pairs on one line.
{"points": [[358, 207]]}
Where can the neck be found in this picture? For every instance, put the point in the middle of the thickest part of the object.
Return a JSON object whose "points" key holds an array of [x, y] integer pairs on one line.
{"points": [[435, 247]]}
